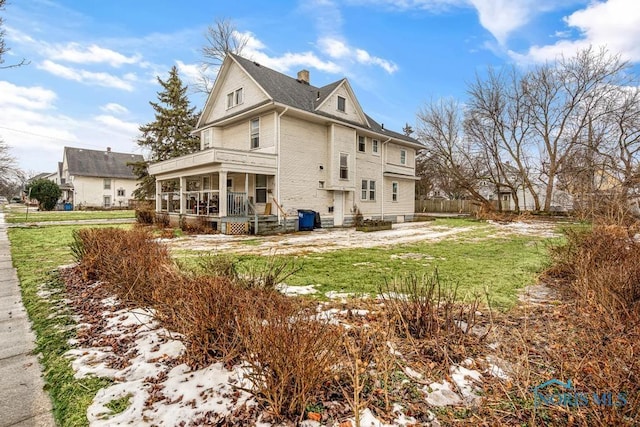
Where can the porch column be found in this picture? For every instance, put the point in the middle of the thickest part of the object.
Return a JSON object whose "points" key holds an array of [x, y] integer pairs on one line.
{"points": [[183, 200], [222, 188], [158, 195], [246, 185]]}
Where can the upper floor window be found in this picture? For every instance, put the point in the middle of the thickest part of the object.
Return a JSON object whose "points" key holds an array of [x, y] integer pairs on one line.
{"points": [[121, 192], [235, 98], [394, 191], [403, 157], [255, 133], [206, 139], [344, 166], [342, 104], [106, 184], [374, 146], [362, 145]]}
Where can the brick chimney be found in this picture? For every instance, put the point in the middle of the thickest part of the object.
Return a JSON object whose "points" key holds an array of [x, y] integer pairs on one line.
{"points": [[303, 76]]}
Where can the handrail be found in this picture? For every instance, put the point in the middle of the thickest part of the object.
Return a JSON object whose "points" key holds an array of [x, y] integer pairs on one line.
{"points": [[284, 214], [255, 216]]}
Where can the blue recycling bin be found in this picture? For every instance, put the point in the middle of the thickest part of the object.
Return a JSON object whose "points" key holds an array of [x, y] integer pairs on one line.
{"points": [[68, 206], [306, 219]]}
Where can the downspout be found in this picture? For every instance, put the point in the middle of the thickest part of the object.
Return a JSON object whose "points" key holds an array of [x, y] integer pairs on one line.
{"points": [[382, 155], [278, 161]]}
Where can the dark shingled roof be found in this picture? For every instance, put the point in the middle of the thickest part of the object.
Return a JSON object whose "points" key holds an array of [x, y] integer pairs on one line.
{"points": [[103, 164], [294, 93]]}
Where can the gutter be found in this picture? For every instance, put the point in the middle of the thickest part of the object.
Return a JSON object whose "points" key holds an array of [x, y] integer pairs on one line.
{"points": [[382, 158], [278, 160]]}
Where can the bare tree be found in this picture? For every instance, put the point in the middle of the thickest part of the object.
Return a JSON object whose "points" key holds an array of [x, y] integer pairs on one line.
{"points": [[563, 98], [3, 46], [498, 118], [11, 176], [440, 128], [221, 38]]}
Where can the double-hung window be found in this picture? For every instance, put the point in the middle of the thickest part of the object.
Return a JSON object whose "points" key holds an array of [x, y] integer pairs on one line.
{"points": [[106, 184], [342, 104], [255, 133], [403, 157], [344, 166], [394, 191], [362, 144], [235, 98], [374, 146], [368, 190]]}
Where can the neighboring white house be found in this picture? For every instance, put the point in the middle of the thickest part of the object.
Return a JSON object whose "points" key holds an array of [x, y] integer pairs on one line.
{"points": [[272, 145], [94, 178]]}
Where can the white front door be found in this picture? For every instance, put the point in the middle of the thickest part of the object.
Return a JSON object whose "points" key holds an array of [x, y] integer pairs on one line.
{"points": [[338, 208]]}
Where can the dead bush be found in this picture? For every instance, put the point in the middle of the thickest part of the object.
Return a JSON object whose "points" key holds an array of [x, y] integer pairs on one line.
{"points": [[267, 276], [129, 262], [290, 356], [207, 312], [162, 220], [145, 215], [601, 268]]}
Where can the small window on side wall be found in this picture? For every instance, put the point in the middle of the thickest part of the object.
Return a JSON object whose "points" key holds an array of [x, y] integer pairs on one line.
{"points": [[403, 157], [374, 146], [261, 189], [107, 184], [342, 104], [394, 191], [362, 145], [344, 166], [255, 133]]}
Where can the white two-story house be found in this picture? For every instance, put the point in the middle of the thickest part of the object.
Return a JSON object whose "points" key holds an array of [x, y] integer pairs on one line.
{"points": [[272, 145]]}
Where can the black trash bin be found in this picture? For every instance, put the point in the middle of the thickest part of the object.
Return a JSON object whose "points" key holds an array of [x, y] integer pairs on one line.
{"points": [[306, 218]]}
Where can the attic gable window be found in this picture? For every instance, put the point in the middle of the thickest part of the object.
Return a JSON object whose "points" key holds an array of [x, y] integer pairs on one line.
{"points": [[342, 104], [235, 98]]}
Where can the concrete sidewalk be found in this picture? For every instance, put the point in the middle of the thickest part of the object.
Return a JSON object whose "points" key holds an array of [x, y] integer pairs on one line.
{"points": [[23, 402]]}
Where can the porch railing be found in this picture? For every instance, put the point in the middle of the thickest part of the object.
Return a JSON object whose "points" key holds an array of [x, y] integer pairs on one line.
{"points": [[237, 204], [202, 202]]}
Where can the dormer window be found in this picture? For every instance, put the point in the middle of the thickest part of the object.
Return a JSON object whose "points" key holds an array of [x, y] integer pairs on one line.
{"points": [[342, 104], [235, 98]]}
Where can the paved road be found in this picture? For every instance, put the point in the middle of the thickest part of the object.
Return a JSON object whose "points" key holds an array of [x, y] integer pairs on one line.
{"points": [[23, 402]]}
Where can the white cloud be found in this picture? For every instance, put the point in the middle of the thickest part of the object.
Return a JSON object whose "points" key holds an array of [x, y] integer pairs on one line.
{"points": [[430, 5], [190, 73], [34, 97], [501, 17], [117, 125], [92, 54], [114, 108], [614, 24], [87, 77], [339, 50]]}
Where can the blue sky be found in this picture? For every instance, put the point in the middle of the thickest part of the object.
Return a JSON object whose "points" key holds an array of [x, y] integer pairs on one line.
{"points": [[93, 63]]}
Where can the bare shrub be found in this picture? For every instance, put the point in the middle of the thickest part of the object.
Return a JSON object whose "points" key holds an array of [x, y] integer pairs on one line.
{"points": [[290, 356], [145, 215], [602, 269], [206, 311], [268, 276], [162, 220], [221, 265], [129, 262]]}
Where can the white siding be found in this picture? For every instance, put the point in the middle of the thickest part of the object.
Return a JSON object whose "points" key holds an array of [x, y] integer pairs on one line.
{"points": [[238, 135], [351, 113], [303, 149], [89, 191], [235, 79]]}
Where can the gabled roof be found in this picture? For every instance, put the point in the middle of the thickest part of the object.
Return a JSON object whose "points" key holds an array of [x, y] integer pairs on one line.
{"points": [[101, 164], [297, 94]]}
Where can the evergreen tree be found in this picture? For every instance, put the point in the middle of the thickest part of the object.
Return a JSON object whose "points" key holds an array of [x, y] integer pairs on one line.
{"points": [[169, 135], [45, 192]]}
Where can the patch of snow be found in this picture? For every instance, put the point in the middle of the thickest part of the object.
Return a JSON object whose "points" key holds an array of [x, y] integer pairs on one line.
{"points": [[339, 295], [497, 367], [413, 374], [441, 394], [464, 379], [296, 290]]}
